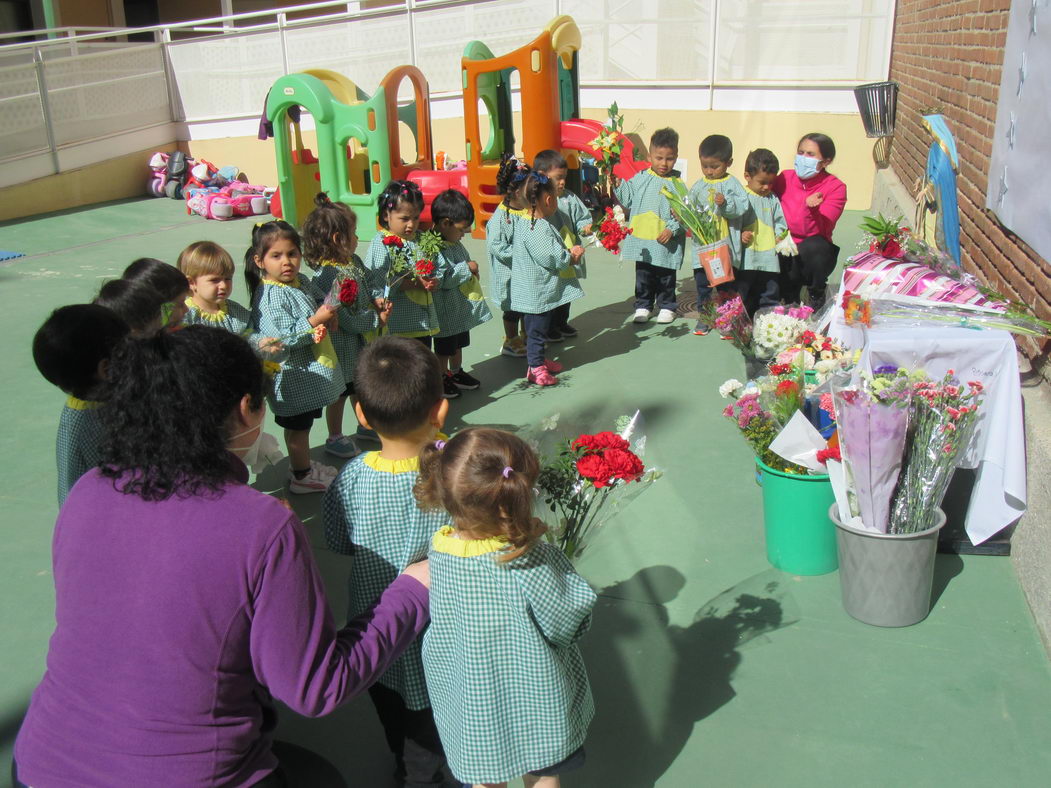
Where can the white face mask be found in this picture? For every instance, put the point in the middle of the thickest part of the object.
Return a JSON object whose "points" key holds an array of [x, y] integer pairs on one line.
{"points": [[806, 166], [263, 452]]}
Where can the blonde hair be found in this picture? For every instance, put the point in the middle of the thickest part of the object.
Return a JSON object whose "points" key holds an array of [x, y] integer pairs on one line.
{"points": [[484, 479], [202, 258]]}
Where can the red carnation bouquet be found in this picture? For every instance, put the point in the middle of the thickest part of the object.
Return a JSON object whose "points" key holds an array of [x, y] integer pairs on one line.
{"points": [[613, 229], [590, 479], [344, 290]]}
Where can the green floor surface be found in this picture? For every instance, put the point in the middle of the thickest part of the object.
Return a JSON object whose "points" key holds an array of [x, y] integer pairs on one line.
{"points": [[708, 666]]}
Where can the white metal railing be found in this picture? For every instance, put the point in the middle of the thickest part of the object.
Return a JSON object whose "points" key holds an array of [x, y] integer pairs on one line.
{"points": [[75, 86]]}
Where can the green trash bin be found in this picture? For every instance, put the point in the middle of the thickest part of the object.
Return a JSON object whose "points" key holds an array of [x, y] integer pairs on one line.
{"points": [[800, 539]]}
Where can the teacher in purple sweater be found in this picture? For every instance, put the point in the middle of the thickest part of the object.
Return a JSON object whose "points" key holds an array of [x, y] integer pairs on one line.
{"points": [[187, 601]]}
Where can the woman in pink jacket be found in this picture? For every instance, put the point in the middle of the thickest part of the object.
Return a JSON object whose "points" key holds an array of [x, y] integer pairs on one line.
{"points": [[812, 200]]}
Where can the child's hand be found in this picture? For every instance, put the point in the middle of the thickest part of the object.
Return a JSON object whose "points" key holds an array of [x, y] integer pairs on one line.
{"points": [[719, 198], [586, 230], [614, 181], [271, 345], [746, 237], [815, 199], [421, 571], [324, 314], [384, 313], [430, 283], [471, 264], [664, 237], [576, 253]]}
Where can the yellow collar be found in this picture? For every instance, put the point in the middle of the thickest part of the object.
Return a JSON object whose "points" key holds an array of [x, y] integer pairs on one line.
{"points": [[760, 196], [717, 180], [81, 404], [662, 177], [378, 463], [443, 541], [332, 264], [215, 317], [525, 213], [294, 283]]}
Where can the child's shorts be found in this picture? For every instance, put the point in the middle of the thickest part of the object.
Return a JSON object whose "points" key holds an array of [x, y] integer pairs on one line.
{"points": [[570, 763], [447, 346], [301, 421]]}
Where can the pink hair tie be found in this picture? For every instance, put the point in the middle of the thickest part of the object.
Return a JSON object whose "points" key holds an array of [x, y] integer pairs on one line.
{"points": [[439, 445], [507, 472]]}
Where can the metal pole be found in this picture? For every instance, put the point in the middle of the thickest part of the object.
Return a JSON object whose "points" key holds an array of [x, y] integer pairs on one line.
{"points": [[284, 44], [409, 8], [713, 43], [169, 74], [45, 107]]}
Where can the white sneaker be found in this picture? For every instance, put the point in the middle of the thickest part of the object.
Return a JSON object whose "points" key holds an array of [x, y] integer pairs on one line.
{"points": [[314, 482], [324, 470], [641, 315], [665, 316]]}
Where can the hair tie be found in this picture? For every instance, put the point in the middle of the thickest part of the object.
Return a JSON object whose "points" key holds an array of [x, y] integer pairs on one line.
{"points": [[540, 178], [507, 472], [439, 445], [259, 224]]}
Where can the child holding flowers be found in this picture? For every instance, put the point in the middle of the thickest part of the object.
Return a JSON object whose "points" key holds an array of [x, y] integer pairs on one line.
{"points": [[329, 240], [391, 262], [289, 307], [722, 192], [657, 240], [510, 693], [537, 287]]}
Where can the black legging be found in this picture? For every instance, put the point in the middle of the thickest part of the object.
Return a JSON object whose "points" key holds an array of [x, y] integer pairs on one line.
{"points": [[811, 268]]}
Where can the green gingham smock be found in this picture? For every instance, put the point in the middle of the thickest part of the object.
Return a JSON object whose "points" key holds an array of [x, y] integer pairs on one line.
{"points": [[310, 378], [231, 316], [766, 221], [77, 443], [507, 682], [370, 512], [539, 257], [570, 220], [499, 242], [730, 212], [412, 313], [355, 320], [459, 301], [650, 215]]}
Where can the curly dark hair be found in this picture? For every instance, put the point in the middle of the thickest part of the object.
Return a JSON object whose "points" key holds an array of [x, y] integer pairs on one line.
{"points": [[263, 237], [761, 160], [328, 219], [665, 138], [169, 398], [396, 193], [510, 176], [535, 184], [484, 479]]}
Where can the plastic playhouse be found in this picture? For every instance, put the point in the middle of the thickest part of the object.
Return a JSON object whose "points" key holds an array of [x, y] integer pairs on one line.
{"points": [[358, 138]]}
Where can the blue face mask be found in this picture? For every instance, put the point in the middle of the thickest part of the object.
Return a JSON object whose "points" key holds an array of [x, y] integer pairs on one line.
{"points": [[806, 166]]}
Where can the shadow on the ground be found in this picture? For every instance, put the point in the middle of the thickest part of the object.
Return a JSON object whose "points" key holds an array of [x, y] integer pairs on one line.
{"points": [[653, 680]]}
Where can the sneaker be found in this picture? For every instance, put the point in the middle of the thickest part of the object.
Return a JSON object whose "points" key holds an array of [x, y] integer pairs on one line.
{"points": [[513, 348], [665, 316], [541, 377], [314, 482], [324, 470], [449, 389], [641, 315], [554, 335], [465, 381], [701, 328], [342, 447], [553, 366], [567, 330]]}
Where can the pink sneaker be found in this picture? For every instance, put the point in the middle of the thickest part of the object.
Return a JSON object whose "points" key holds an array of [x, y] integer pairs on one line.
{"points": [[553, 366], [541, 377]]}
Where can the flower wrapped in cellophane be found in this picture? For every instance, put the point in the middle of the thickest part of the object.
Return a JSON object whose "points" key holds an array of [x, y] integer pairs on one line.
{"points": [[777, 328], [613, 229], [590, 479]]}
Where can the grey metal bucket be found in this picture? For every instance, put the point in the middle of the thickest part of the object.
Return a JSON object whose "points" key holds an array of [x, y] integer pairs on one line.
{"points": [[886, 578]]}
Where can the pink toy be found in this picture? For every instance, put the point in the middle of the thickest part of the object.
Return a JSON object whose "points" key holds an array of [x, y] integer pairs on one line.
{"points": [[237, 199], [158, 175]]}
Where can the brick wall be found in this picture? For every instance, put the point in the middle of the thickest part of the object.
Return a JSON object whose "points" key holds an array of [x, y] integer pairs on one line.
{"points": [[948, 54]]}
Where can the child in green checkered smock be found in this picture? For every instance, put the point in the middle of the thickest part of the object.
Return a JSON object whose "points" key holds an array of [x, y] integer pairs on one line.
{"points": [[657, 240], [763, 225], [209, 269], [499, 236], [572, 220], [329, 240], [510, 692], [288, 307], [370, 513], [412, 312], [537, 287], [724, 194], [71, 350], [459, 300]]}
